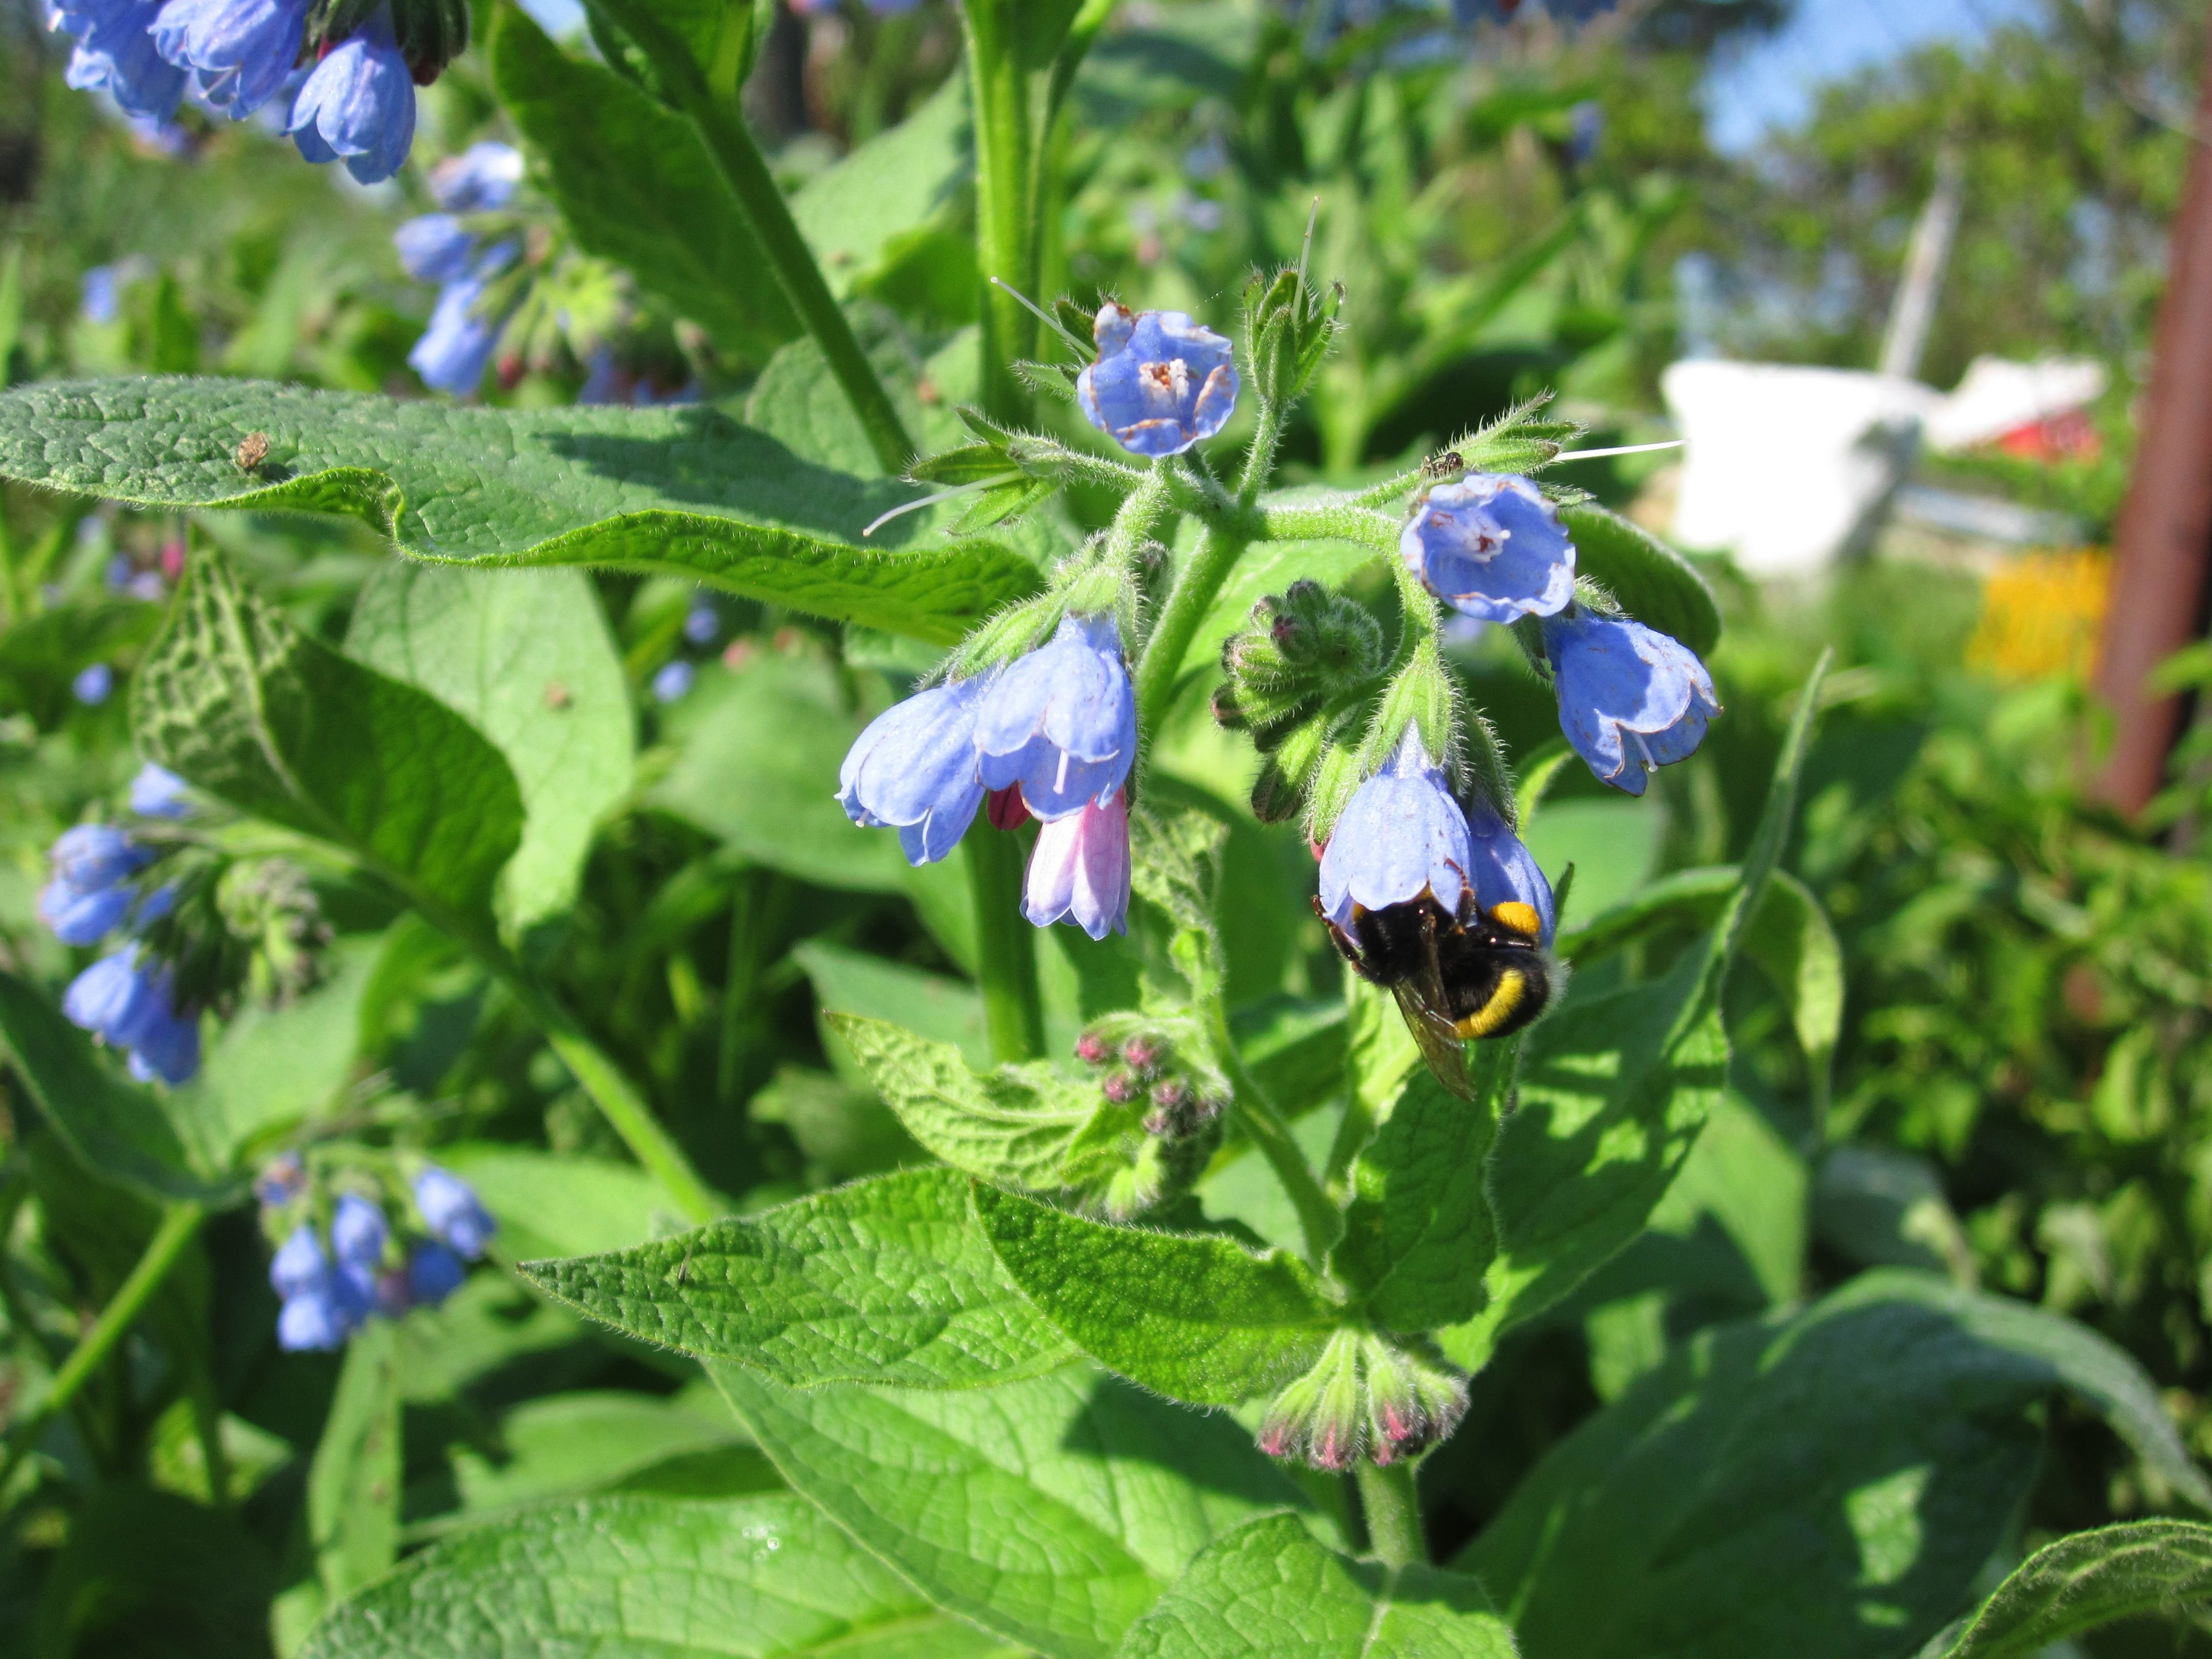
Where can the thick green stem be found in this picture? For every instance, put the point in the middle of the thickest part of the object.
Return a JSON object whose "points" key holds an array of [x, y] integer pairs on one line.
{"points": [[1319, 1219], [180, 1223], [1006, 945], [730, 142], [1006, 235], [1392, 1499], [1197, 584]]}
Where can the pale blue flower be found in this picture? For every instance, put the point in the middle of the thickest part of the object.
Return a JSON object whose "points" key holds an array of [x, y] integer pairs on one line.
{"points": [[1162, 382], [482, 177], [702, 622], [674, 680], [1503, 872], [115, 51], [1062, 721], [914, 770], [456, 349], [1630, 698], [100, 294], [434, 247], [1080, 870], [158, 793], [358, 105], [1401, 837], [89, 893], [452, 1212], [114, 998], [1490, 547], [240, 51], [93, 686], [80, 916], [320, 1309], [167, 1044]]}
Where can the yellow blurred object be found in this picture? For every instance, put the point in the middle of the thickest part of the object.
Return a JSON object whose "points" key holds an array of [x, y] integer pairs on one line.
{"points": [[2040, 614]]}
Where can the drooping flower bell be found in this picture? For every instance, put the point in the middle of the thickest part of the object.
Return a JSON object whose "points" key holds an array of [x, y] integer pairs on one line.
{"points": [[115, 51], [358, 104], [1062, 721], [456, 349], [1079, 871], [240, 51], [452, 1212], [482, 177], [1504, 873], [914, 770], [1630, 698], [1490, 547], [313, 1317], [158, 793], [131, 1005], [1401, 837], [88, 893], [1162, 382]]}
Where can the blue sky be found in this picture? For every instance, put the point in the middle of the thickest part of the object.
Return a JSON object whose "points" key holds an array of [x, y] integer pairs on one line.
{"points": [[1772, 84]]}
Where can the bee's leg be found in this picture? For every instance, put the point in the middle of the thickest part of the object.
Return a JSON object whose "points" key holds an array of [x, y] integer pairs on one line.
{"points": [[1345, 946]]}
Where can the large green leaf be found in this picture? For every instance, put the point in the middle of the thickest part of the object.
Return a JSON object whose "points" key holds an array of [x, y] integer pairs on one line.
{"points": [[114, 1128], [1827, 1484], [525, 657], [635, 184], [888, 1280], [648, 1577], [684, 489], [894, 185], [237, 701], [1197, 1317], [1655, 583], [1272, 1590], [1052, 1512], [2090, 1580], [1418, 1233], [1015, 1126]]}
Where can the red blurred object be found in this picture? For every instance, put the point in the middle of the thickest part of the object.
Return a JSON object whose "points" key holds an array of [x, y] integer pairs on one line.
{"points": [[2064, 437], [1006, 808]]}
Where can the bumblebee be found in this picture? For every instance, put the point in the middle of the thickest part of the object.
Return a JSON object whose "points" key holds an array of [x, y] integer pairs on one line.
{"points": [[1457, 978]]}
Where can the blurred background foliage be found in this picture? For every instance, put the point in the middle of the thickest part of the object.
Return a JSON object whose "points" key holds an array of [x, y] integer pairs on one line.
{"points": [[2022, 1094]]}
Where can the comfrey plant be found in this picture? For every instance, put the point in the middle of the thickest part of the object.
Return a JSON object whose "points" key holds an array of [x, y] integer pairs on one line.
{"points": [[1169, 1291]]}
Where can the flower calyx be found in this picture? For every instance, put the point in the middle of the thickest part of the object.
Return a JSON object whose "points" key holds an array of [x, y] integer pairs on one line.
{"points": [[1364, 1398], [1288, 326]]}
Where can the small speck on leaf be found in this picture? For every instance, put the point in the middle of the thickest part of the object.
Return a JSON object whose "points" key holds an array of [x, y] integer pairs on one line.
{"points": [[557, 695], [253, 450]]}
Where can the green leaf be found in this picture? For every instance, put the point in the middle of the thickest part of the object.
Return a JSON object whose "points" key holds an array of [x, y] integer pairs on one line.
{"points": [[552, 1204], [895, 183], [1828, 1483], [636, 185], [146, 1573], [2088, 1581], [237, 701], [1196, 1317], [1270, 1589], [40, 655], [781, 724], [1418, 1233], [1654, 583], [525, 657], [684, 489], [1052, 1512], [887, 1281], [273, 1069], [1015, 1125], [353, 1485], [114, 1128], [760, 1578]]}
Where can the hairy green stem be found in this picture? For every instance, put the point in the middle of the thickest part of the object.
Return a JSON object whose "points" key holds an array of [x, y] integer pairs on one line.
{"points": [[1005, 947], [1006, 238], [1197, 583], [1319, 1219], [1392, 1499], [180, 1223], [722, 127]]}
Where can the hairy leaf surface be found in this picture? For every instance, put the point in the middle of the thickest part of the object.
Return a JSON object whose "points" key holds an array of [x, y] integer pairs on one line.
{"points": [[2090, 1580]]}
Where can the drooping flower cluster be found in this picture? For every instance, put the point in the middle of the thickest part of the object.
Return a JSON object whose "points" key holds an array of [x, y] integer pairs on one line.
{"points": [[127, 999], [1364, 1397], [1630, 698], [1051, 735], [333, 1276], [348, 77], [456, 247]]}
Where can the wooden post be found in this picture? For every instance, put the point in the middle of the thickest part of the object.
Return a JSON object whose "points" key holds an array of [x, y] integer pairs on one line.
{"points": [[2163, 543]]}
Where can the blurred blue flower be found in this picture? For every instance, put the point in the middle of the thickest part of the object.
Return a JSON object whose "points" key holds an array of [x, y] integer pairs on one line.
{"points": [[1401, 836], [1490, 547], [78, 916], [167, 1043], [158, 793], [89, 893], [702, 622], [482, 177], [112, 999], [674, 680], [358, 104], [240, 51], [1503, 871], [93, 685], [433, 1272], [100, 294], [434, 248], [1080, 870], [283, 1179], [914, 770], [456, 349], [115, 51], [452, 1212], [1630, 698], [319, 1311], [1162, 382], [1062, 721]]}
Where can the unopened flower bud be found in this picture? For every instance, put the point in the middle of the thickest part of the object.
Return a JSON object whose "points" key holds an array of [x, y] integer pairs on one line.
{"points": [[1121, 1088], [1143, 1053], [1090, 1050]]}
